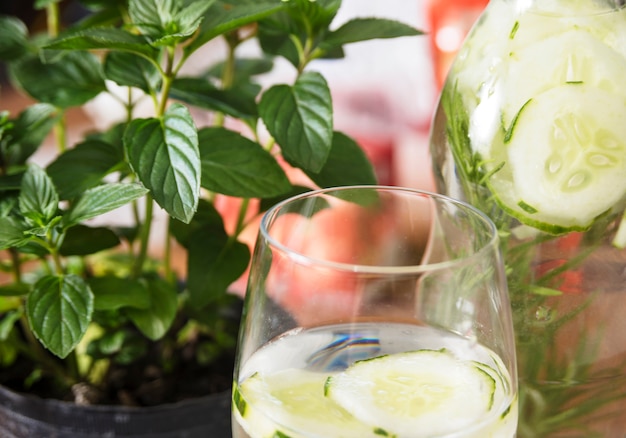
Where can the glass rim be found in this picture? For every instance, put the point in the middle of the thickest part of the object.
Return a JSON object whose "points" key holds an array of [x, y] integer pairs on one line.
{"points": [[303, 259]]}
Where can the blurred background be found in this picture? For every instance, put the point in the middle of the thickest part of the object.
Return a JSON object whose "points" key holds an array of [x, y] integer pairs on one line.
{"points": [[384, 91]]}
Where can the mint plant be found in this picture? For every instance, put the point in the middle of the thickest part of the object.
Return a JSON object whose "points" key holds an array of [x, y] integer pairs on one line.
{"points": [[80, 301]]}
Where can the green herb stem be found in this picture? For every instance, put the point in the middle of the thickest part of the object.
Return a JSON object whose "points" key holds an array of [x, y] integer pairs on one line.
{"points": [[144, 238], [52, 17], [241, 218], [36, 352], [167, 252]]}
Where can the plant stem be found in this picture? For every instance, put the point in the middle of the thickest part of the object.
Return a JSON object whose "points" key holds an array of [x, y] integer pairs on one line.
{"points": [[167, 256], [52, 16], [41, 356], [228, 75], [243, 210], [144, 238], [16, 265], [53, 26]]}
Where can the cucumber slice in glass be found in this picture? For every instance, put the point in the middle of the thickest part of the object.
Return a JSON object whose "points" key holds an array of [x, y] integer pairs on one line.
{"points": [[427, 392], [292, 403]]}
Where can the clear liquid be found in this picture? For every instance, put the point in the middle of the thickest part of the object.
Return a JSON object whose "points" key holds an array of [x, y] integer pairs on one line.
{"points": [[332, 349]]}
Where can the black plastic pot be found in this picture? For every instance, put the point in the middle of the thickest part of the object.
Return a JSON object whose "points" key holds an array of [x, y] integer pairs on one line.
{"points": [[24, 416]]}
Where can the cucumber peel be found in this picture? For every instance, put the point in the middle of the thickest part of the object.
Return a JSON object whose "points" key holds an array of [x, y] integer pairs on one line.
{"points": [[565, 163], [425, 391]]}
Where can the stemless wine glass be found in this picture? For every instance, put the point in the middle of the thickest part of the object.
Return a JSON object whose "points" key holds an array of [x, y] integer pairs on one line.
{"points": [[375, 311]]}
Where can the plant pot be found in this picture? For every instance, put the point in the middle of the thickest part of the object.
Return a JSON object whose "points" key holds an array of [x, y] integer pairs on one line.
{"points": [[24, 416]]}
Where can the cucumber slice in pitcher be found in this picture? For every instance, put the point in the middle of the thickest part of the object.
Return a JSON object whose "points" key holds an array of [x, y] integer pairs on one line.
{"points": [[565, 159], [574, 56]]}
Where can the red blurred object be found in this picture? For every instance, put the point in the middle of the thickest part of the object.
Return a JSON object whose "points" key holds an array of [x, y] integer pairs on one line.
{"points": [[449, 21], [370, 119]]}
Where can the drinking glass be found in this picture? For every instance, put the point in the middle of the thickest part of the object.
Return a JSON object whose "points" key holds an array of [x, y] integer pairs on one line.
{"points": [[375, 311]]}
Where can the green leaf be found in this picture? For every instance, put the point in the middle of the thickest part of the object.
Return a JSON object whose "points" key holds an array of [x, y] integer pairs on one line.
{"points": [[224, 16], [103, 199], [214, 263], [81, 240], [10, 303], [13, 38], [9, 183], [244, 69], [7, 322], [84, 166], [38, 198], [59, 310], [103, 38], [184, 24], [12, 233], [267, 203], [28, 132], [71, 81], [164, 154], [156, 320], [42, 4], [313, 16], [14, 289], [300, 118], [131, 70], [236, 166], [302, 20], [275, 38], [347, 165], [102, 13], [206, 217], [151, 17], [113, 293], [362, 29], [203, 94]]}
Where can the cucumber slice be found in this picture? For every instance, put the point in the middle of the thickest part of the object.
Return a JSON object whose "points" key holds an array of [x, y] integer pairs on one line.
{"points": [[426, 392], [573, 56], [565, 159], [293, 400]]}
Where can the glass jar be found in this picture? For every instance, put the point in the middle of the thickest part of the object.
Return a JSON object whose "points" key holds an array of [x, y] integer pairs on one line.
{"points": [[531, 128]]}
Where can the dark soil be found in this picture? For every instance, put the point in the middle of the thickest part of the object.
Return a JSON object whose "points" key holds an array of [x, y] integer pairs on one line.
{"points": [[167, 373]]}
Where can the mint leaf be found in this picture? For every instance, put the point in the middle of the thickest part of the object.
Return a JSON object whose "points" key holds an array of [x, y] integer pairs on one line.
{"points": [[300, 118], [236, 166], [12, 233], [172, 142], [152, 16], [362, 29], [183, 24], [70, 81], [27, 133], [103, 38], [223, 17], [156, 319], [214, 263], [103, 199], [38, 198], [81, 240], [90, 161], [203, 94], [59, 310], [112, 293], [132, 70], [13, 38], [346, 165], [206, 217]]}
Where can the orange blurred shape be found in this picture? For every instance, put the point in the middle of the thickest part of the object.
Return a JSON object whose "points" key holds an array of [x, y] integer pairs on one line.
{"points": [[449, 21]]}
